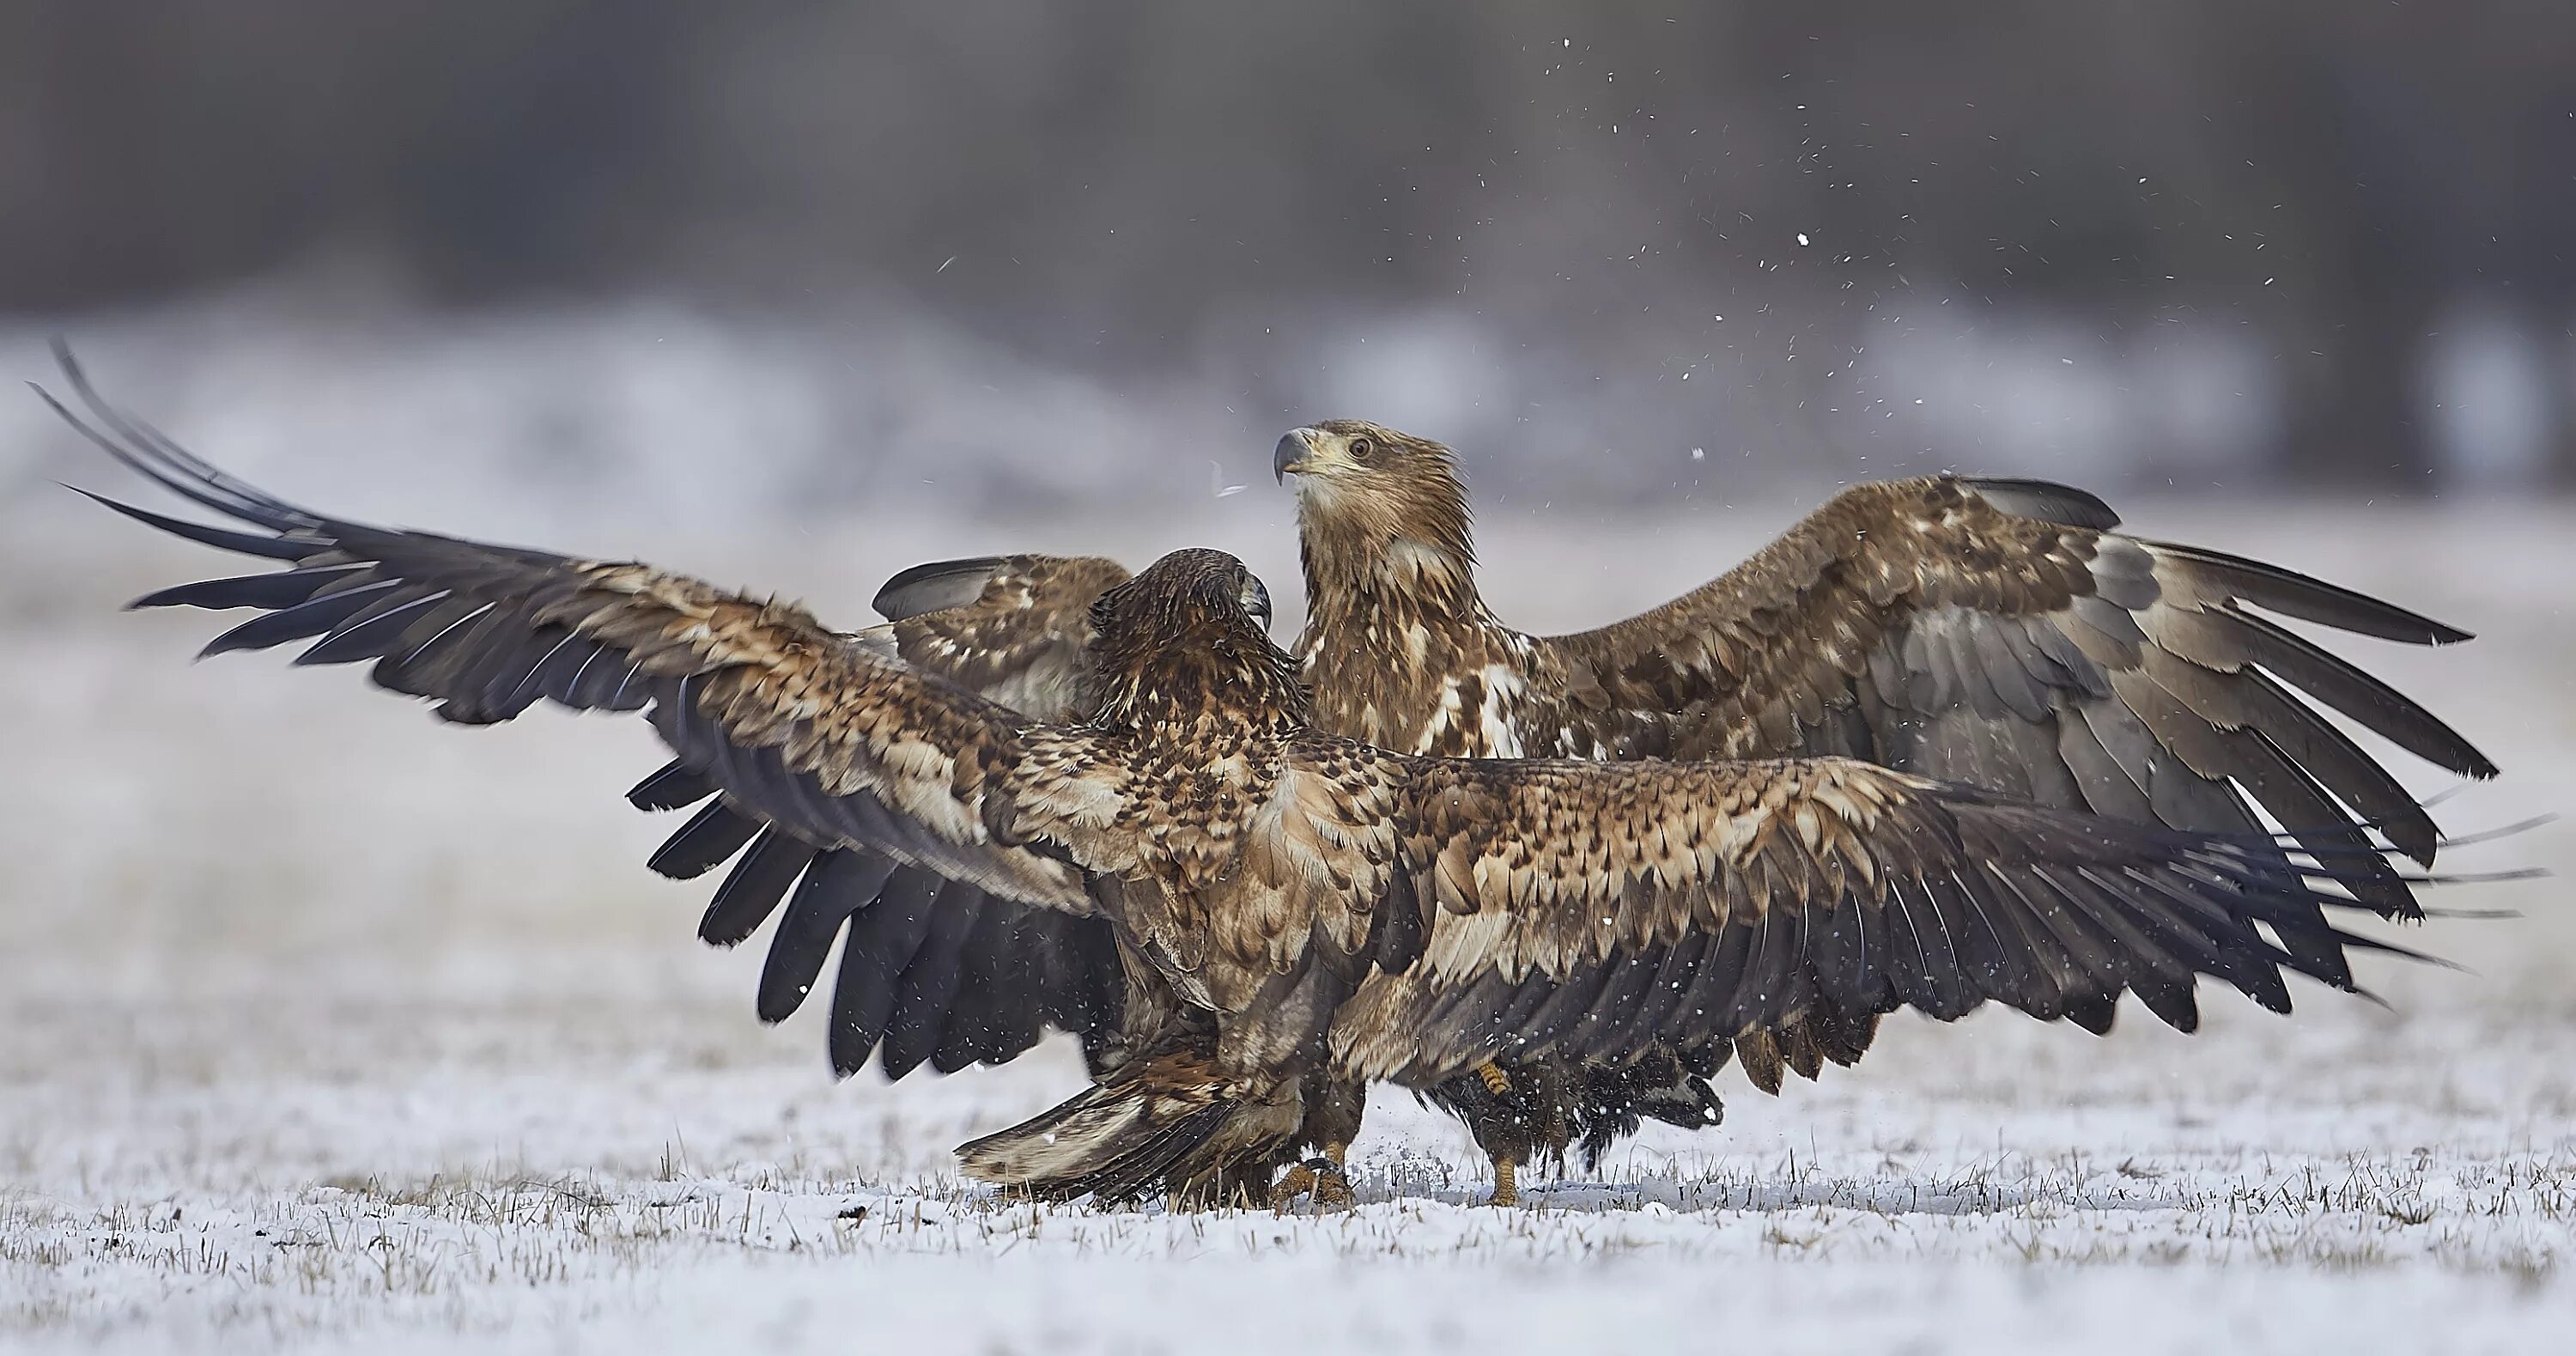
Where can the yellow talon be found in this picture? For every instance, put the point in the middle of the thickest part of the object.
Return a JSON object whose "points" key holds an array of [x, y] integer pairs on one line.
{"points": [[1496, 1081], [1507, 1189]]}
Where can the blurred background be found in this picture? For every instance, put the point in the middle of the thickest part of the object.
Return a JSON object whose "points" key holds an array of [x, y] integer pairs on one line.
{"points": [[781, 257]]}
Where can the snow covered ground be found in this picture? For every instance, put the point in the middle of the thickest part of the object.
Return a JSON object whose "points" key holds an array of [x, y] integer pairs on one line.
{"points": [[322, 1026]]}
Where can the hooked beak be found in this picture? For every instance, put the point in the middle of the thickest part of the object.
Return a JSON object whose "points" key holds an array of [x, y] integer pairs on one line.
{"points": [[1258, 603], [1289, 458]]}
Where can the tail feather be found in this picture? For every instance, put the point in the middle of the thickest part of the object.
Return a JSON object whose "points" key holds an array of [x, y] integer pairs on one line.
{"points": [[1115, 1141]]}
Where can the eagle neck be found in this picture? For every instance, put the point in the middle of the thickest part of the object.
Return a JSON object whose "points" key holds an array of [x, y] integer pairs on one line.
{"points": [[1204, 686], [1388, 573], [1386, 624]]}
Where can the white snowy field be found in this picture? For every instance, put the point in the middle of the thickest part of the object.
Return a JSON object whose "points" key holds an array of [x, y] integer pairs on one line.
{"points": [[325, 1027]]}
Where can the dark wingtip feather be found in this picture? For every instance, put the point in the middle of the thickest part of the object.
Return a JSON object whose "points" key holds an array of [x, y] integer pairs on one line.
{"points": [[273, 591], [934, 586], [151, 454], [754, 889], [2094, 1012], [277, 628], [711, 836], [147, 466], [222, 538], [2320, 674], [177, 595], [2045, 500], [2466, 759], [2357, 942], [2307, 598], [673, 786]]}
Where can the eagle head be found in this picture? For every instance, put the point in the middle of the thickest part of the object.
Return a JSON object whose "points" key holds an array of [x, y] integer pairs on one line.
{"points": [[1188, 640], [1368, 493]]}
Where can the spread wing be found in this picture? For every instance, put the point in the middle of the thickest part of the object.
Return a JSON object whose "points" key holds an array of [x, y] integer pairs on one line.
{"points": [[931, 971], [1998, 633], [813, 734], [1594, 909]]}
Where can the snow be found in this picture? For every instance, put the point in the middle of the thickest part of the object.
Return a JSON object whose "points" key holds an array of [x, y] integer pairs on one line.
{"points": [[323, 1027]]}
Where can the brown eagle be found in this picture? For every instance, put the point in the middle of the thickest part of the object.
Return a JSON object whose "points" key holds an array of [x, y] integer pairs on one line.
{"points": [[1996, 633], [1293, 910]]}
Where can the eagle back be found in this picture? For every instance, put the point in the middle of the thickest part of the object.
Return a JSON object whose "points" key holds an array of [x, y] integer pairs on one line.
{"points": [[1248, 855]]}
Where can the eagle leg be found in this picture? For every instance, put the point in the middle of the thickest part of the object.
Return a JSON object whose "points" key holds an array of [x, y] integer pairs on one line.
{"points": [[1507, 1190], [1319, 1179], [1497, 1082]]}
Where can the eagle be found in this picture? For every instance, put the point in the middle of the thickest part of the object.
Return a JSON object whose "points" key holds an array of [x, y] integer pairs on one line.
{"points": [[1999, 633], [1293, 910]]}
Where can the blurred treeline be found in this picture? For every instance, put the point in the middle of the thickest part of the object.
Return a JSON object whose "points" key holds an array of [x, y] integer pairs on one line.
{"points": [[2322, 241]]}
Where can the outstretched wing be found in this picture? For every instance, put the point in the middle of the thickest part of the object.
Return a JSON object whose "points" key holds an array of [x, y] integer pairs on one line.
{"points": [[1595, 909], [814, 733], [931, 971], [1998, 633]]}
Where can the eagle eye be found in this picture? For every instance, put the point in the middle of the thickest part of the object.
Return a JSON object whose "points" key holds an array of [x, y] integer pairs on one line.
{"points": [[1362, 446]]}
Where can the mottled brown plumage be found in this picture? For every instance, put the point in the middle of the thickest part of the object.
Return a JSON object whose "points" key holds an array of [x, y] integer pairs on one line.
{"points": [[1293, 911], [1992, 632], [1997, 633], [931, 972]]}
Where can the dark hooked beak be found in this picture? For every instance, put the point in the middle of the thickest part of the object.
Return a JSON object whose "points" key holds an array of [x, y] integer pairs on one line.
{"points": [[1289, 458], [1260, 608]]}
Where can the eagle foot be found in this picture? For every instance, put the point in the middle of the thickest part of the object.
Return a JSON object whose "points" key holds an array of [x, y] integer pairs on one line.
{"points": [[1496, 1081], [1318, 1179], [1507, 1188]]}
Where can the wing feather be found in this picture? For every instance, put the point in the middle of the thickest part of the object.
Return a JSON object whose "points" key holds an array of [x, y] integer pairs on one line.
{"points": [[2000, 633], [1843, 889], [838, 887], [797, 726], [753, 890], [928, 986], [882, 941], [1020, 639], [1015, 629], [795, 738]]}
